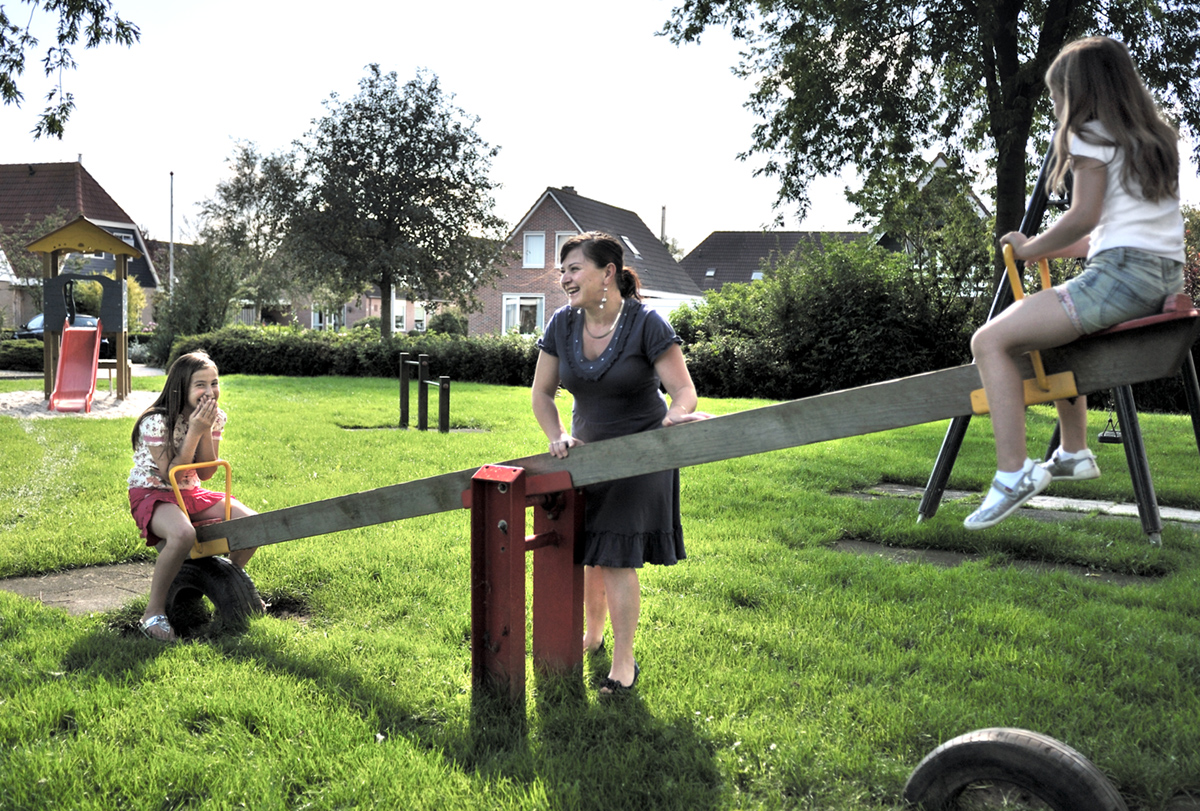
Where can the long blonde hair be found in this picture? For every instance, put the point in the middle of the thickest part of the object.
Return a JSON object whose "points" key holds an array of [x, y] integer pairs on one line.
{"points": [[1096, 80], [174, 396]]}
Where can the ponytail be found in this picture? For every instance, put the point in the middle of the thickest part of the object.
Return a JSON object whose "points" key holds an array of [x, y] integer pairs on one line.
{"points": [[629, 284]]}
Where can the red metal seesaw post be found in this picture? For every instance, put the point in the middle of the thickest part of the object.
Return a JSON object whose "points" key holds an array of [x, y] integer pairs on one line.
{"points": [[498, 498]]}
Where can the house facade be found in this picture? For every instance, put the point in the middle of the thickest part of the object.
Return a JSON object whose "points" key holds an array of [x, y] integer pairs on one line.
{"points": [[31, 192], [529, 292], [742, 256]]}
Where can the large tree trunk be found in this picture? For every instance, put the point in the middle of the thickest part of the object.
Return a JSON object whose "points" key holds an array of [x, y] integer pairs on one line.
{"points": [[385, 308]]}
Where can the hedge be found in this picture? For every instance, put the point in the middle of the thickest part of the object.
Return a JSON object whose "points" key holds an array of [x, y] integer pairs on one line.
{"points": [[507, 360]]}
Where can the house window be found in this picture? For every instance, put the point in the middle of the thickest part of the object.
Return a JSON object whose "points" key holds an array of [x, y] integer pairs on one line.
{"points": [[419, 317], [398, 318], [559, 238], [710, 272], [629, 244], [322, 320], [535, 250], [526, 314], [756, 275]]}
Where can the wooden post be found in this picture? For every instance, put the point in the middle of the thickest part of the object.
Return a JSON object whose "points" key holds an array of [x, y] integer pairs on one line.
{"points": [[498, 578], [404, 389], [558, 583], [443, 404], [422, 393]]}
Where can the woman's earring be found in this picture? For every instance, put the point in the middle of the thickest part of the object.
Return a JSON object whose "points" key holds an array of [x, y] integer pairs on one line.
{"points": [[603, 300]]}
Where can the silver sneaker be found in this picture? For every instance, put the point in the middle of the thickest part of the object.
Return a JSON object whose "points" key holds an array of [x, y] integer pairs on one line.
{"points": [[1033, 481], [1072, 470]]}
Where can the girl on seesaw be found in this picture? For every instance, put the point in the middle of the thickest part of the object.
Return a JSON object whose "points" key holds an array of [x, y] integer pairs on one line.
{"points": [[1124, 215], [181, 427]]}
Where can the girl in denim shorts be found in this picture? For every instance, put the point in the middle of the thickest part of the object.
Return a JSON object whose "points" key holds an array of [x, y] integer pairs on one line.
{"points": [[1124, 216]]}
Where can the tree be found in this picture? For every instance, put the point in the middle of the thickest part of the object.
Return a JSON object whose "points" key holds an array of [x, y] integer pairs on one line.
{"points": [[875, 84], [249, 215], [396, 194], [95, 20], [27, 265], [206, 283]]}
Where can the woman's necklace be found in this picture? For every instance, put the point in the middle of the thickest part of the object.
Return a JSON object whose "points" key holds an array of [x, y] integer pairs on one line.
{"points": [[595, 337]]}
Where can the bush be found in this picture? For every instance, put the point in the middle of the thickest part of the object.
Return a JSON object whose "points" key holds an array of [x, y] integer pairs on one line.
{"points": [[22, 356], [824, 320], [506, 360]]}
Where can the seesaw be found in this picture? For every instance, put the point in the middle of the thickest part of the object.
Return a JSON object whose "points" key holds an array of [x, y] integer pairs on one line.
{"points": [[498, 495]]}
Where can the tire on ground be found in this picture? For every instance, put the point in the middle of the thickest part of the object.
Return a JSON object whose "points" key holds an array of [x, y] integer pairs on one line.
{"points": [[231, 593], [1054, 772]]}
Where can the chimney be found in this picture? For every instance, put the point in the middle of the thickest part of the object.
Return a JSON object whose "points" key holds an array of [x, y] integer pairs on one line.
{"points": [[569, 189]]}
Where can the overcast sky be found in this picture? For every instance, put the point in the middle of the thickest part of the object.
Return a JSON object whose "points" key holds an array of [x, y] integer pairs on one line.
{"points": [[574, 94]]}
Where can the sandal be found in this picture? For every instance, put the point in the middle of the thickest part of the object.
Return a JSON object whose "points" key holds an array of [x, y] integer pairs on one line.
{"points": [[612, 687], [159, 622]]}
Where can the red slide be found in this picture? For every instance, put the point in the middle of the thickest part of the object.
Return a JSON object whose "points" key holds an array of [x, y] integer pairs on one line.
{"points": [[78, 358]]}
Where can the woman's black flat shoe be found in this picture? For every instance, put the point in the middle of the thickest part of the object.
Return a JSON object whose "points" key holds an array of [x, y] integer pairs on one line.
{"points": [[612, 687], [598, 650]]}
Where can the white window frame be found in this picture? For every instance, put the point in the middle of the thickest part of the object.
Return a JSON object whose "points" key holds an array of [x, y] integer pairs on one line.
{"points": [[559, 238], [510, 311], [629, 244], [535, 258], [419, 319]]}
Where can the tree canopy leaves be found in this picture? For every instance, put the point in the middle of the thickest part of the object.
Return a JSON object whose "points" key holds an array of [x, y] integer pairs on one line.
{"points": [[876, 83], [93, 20], [396, 193]]}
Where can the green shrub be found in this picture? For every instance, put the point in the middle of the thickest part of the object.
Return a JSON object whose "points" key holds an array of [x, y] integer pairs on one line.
{"points": [[21, 356]]}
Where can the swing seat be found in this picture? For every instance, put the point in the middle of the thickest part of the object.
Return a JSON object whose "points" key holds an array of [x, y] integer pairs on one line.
{"points": [[1174, 307]]}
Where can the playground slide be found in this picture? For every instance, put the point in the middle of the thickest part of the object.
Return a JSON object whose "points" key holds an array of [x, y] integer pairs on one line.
{"points": [[78, 358]]}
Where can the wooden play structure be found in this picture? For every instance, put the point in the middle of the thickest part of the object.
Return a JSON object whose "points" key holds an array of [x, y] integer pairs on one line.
{"points": [[65, 355]]}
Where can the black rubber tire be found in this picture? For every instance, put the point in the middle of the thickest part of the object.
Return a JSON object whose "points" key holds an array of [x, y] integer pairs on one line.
{"points": [[232, 595], [1054, 772]]}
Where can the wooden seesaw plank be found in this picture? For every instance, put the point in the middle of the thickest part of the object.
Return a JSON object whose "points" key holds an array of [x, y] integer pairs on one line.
{"points": [[1099, 363]]}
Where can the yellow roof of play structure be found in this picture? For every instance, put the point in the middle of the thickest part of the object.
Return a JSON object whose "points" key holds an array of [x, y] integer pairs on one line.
{"points": [[83, 236]]}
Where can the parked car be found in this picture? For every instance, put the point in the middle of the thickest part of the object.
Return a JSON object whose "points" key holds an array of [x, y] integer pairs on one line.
{"points": [[35, 328]]}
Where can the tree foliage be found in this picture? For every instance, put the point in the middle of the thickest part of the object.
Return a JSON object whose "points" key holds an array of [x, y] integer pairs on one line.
{"points": [[828, 318], [876, 84], [396, 194], [93, 20], [249, 216], [206, 283], [27, 265]]}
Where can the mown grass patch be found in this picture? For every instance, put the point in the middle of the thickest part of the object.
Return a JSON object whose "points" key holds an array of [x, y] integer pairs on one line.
{"points": [[777, 672]]}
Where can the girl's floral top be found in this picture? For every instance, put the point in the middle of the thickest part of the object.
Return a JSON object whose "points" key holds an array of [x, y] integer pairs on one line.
{"points": [[153, 435]]}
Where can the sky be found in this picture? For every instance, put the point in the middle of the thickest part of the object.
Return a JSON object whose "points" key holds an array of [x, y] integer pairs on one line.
{"points": [[574, 94]]}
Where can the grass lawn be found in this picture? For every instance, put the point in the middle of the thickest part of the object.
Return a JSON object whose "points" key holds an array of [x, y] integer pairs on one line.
{"points": [[777, 672]]}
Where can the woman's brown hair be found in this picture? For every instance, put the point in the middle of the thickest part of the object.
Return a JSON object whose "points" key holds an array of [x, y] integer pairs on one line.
{"points": [[603, 250]]}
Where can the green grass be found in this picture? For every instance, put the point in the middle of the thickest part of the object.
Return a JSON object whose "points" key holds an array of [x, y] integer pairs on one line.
{"points": [[777, 672]]}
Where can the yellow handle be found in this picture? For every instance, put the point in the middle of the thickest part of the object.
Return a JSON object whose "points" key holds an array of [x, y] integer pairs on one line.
{"points": [[1014, 278], [193, 466]]}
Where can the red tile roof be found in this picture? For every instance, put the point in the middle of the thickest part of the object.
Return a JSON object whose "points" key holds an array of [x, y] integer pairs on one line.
{"points": [[37, 190]]}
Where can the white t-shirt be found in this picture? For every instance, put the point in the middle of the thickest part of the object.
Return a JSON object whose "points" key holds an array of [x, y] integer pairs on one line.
{"points": [[1127, 220], [153, 434]]}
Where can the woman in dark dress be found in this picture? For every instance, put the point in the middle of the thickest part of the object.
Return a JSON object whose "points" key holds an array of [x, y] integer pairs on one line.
{"points": [[611, 352]]}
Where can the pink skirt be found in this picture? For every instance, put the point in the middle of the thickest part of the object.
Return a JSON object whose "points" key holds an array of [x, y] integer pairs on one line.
{"points": [[143, 501]]}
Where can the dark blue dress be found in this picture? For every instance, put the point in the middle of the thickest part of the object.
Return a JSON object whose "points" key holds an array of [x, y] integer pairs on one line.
{"points": [[629, 522]]}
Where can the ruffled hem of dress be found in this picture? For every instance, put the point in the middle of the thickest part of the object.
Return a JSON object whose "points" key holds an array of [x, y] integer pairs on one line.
{"points": [[658, 548], [611, 352]]}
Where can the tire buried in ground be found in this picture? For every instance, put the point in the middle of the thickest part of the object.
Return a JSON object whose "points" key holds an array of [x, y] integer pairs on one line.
{"points": [[211, 596], [1054, 773]]}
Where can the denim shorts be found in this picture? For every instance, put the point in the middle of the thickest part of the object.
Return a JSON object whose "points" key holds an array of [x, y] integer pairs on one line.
{"points": [[1117, 285]]}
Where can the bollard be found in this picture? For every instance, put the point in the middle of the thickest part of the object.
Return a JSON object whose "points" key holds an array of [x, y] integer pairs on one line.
{"points": [[423, 385]]}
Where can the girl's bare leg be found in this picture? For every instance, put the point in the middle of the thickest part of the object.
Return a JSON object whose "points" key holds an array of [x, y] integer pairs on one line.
{"points": [[1072, 420], [172, 525], [1036, 322]]}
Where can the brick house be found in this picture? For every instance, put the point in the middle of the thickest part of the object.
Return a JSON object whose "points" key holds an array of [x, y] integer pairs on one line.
{"points": [[740, 256], [33, 191], [528, 292]]}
